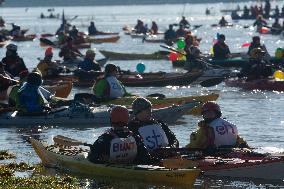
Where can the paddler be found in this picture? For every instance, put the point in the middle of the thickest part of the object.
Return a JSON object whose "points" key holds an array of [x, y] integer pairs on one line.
{"points": [[119, 145], [170, 35], [221, 49], [259, 23], [155, 134], [16, 31], [154, 28], [214, 132], [184, 22], [13, 64], [109, 87], [140, 28], [256, 44], [69, 52], [194, 60], [30, 100], [5, 83], [257, 67], [92, 29], [223, 22], [89, 63], [181, 32], [47, 67], [276, 27]]}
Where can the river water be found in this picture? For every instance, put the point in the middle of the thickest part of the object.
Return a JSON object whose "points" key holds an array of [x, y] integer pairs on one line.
{"points": [[258, 115]]}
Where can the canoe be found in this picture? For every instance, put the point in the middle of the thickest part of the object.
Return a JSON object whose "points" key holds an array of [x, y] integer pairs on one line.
{"points": [[81, 116], [24, 38], [161, 103], [112, 39], [158, 79], [257, 84], [77, 163], [159, 55]]}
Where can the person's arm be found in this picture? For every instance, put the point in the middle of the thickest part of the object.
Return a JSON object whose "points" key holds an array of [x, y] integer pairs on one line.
{"points": [[99, 151]]}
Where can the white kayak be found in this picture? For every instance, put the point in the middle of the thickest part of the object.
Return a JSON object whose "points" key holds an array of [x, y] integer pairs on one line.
{"points": [[83, 116]]}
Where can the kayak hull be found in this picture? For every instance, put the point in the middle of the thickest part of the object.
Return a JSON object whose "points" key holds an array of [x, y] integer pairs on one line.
{"points": [[133, 56], [98, 117], [78, 164], [258, 84], [112, 39]]}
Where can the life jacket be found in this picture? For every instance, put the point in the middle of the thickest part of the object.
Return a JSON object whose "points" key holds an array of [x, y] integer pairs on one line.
{"points": [[116, 90], [225, 132], [30, 99], [122, 150], [153, 136]]}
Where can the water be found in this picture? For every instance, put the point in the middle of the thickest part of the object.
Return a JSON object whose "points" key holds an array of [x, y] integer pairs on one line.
{"points": [[258, 115]]}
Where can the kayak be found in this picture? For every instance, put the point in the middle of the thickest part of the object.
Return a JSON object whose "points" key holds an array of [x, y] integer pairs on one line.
{"points": [[46, 42], [161, 103], [104, 33], [159, 79], [24, 38], [112, 39], [154, 40], [77, 163], [238, 62], [74, 63], [257, 84], [159, 55], [82, 116]]}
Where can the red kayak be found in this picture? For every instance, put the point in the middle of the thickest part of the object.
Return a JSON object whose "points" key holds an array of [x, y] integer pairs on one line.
{"points": [[258, 84]]}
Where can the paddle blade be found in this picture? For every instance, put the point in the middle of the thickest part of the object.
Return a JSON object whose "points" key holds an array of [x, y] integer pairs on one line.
{"points": [[246, 45], [211, 82]]}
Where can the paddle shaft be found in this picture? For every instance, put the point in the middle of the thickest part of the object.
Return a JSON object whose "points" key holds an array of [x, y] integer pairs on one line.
{"points": [[66, 141]]}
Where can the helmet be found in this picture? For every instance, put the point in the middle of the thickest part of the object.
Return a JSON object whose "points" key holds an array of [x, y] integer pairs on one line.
{"points": [[211, 106], [90, 52], [256, 53], [12, 47], [119, 115], [34, 78], [110, 68], [140, 104], [48, 51]]}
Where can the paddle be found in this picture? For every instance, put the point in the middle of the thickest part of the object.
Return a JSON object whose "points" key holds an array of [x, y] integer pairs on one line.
{"points": [[66, 141], [10, 79], [47, 42]]}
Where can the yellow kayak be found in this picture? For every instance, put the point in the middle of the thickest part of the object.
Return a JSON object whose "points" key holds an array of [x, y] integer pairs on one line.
{"points": [[162, 103], [78, 164]]}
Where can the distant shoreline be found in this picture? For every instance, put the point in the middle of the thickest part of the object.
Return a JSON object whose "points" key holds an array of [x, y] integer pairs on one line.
{"points": [[68, 3]]}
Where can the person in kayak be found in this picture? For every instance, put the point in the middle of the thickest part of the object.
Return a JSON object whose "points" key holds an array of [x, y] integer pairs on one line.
{"points": [[74, 32], [194, 60], [16, 31], [256, 44], [221, 49], [109, 87], [119, 145], [246, 12], [276, 27], [214, 132], [13, 64], [69, 52], [170, 35], [89, 63], [155, 134], [184, 22], [140, 28], [30, 99], [223, 22], [259, 23], [257, 67], [92, 29], [154, 28], [181, 32], [47, 67], [5, 82]]}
